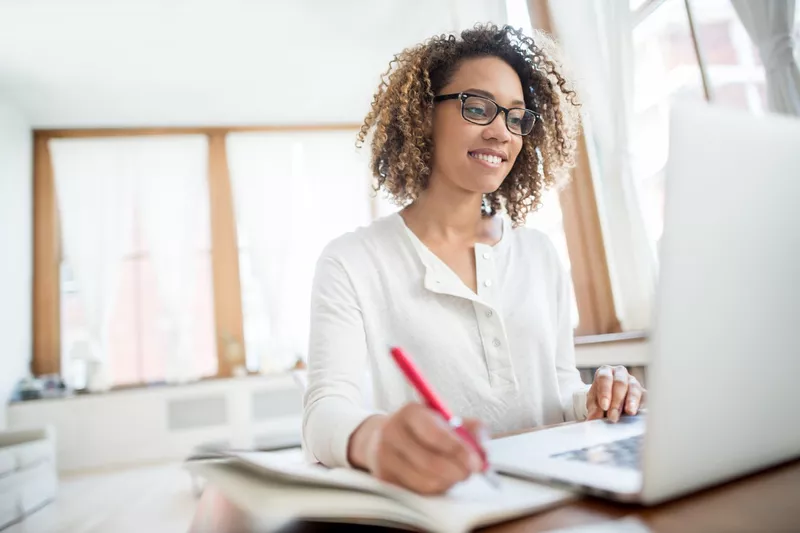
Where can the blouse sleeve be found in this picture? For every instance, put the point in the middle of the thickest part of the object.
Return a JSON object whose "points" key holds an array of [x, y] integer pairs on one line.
{"points": [[337, 363]]}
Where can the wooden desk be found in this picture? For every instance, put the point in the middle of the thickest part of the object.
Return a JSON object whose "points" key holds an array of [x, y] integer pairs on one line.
{"points": [[768, 501]]}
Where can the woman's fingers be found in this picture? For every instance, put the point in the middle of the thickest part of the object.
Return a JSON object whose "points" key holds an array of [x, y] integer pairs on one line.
{"points": [[618, 392], [594, 410], [433, 433], [614, 392], [418, 450], [478, 430], [433, 464], [602, 386], [595, 413], [396, 467], [634, 398]]}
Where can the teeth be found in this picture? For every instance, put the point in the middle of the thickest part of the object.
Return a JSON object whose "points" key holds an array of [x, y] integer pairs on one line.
{"points": [[493, 159]]}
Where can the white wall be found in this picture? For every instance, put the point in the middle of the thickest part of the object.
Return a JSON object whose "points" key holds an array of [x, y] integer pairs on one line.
{"points": [[16, 245]]}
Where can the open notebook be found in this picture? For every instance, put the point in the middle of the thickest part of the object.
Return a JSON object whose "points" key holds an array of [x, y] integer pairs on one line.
{"points": [[281, 484]]}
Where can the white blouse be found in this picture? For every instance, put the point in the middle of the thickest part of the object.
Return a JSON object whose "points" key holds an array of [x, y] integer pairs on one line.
{"points": [[504, 355]]}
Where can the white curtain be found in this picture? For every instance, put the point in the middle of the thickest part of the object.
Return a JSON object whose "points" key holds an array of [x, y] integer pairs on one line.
{"points": [[596, 38], [769, 24], [95, 198], [98, 183], [268, 199], [293, 193], [172, 176]]}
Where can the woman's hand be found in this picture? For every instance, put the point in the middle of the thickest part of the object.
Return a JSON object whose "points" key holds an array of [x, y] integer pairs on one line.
{"points": [[416, 449], [613, 392]]}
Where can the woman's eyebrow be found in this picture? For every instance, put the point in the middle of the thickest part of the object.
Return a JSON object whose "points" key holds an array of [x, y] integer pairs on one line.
{"points": [[487, 94]]}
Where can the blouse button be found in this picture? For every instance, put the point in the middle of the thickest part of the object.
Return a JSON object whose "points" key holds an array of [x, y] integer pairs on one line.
{"points": [[488, 283]]}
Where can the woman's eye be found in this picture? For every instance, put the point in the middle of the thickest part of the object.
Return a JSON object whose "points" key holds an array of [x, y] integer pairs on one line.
{"points": [[476, 111]]}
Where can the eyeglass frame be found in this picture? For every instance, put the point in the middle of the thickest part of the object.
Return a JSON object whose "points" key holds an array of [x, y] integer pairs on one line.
{"points": [[462, 96]]}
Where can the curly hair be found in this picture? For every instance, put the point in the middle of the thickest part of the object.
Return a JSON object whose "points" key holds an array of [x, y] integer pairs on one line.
{"points": [[401, 115]]}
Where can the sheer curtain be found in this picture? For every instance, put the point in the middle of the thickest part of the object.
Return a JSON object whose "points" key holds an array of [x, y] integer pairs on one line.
{"points": [[769, 25], [596, 39], [99, 182], [293, 193], [269, 203], [172, 175], [94, 187]]}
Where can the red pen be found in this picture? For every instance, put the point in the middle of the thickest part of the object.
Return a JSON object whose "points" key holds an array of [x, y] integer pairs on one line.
{"points": [[432, 400]]}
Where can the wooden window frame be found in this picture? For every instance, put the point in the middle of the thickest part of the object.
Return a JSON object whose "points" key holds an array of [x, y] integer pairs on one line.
{"points": [[226, 285], [46, 264]]}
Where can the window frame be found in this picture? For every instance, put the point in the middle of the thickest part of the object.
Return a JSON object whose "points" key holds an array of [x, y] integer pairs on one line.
{"points": [[226, 287]]}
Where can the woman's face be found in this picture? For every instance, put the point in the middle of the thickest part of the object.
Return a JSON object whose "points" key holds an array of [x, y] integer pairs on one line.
{"points": [[473, 157]]}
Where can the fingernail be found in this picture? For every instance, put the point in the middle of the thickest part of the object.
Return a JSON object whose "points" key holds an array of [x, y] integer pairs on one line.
{"points": [[604, 403], [632, 408], [613, 414], [475, 463]]}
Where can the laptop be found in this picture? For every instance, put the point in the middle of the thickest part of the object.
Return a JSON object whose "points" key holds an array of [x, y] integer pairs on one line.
{"points": [[724, 354]]}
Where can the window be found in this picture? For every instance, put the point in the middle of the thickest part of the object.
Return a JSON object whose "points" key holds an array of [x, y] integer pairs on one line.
{"points": [[733, 66], [126, 206], [293, 193], [666, 69], [137, 333], [136, 234]]}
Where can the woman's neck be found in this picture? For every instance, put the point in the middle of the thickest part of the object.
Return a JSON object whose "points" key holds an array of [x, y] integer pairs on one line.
{"points": [[440, 214]]}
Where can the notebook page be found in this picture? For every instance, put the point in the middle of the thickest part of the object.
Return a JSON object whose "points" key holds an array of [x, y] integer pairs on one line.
{"points": [[475, 502], [290, 466], [274, 503], [467, 505]]}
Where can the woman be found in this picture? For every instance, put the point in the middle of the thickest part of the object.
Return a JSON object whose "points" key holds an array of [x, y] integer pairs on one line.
{"points": [[467, 134]]}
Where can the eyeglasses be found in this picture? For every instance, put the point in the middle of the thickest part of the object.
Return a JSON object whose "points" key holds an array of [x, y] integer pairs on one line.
{"points": [[482, 111]]}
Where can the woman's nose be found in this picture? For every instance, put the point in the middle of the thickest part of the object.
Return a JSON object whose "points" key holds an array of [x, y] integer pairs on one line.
{"points": [[497, 129]]}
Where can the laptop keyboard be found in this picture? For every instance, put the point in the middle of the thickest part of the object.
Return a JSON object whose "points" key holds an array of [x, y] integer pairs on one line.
{"points": [[623, 453]]}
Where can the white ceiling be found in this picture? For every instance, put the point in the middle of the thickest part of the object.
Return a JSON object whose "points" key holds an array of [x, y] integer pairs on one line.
{"points": [[83, 63]]}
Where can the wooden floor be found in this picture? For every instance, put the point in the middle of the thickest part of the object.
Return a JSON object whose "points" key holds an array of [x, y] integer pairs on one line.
{"points": [[151, 498]]}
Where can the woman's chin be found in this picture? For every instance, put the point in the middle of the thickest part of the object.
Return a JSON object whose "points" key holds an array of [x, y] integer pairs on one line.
{"points": [[489, 183], [485, 184], [489, 186]]}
